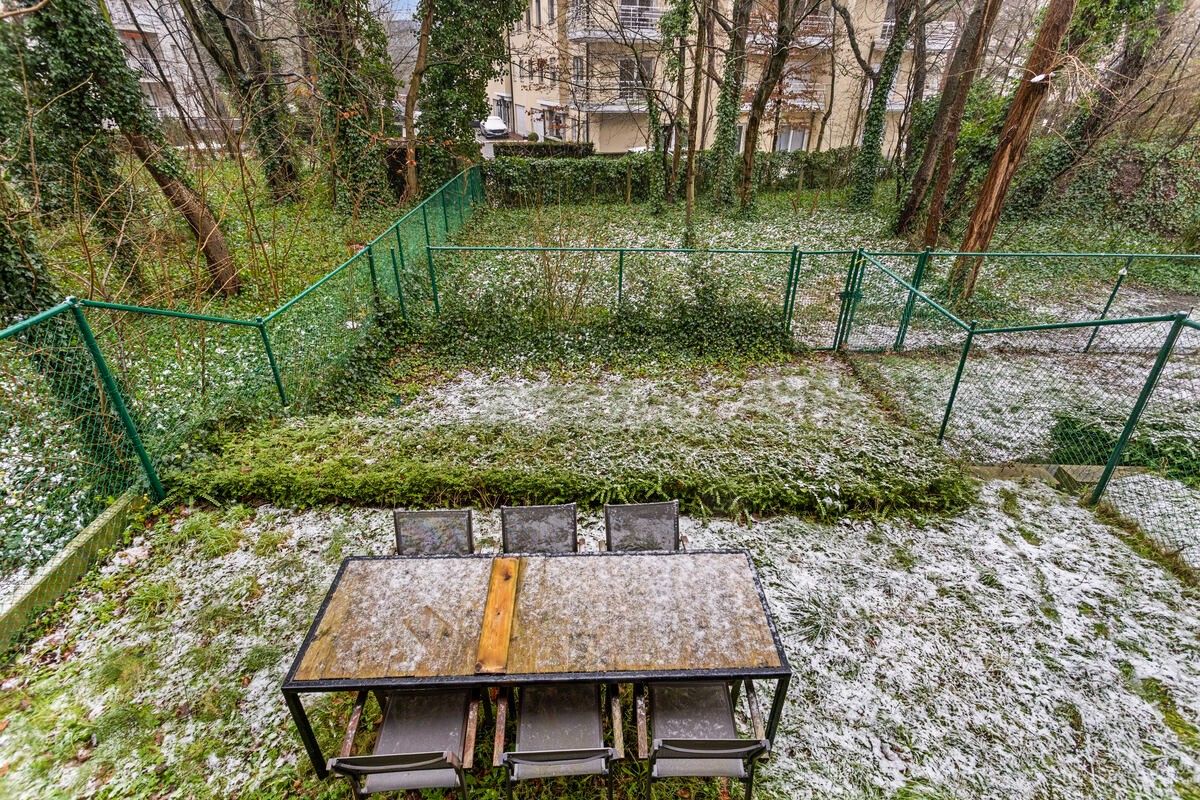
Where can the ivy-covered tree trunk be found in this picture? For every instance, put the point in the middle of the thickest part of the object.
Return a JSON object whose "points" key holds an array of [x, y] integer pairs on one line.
{"points": [[54, 346], [246, 62], [694, 123], [866, 166], [729, 103], [947, 120], [356, 87], [79, 50], [467, 48], [1014, 138]]}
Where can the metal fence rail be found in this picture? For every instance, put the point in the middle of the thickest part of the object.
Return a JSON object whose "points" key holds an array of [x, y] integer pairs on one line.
{"points": [[99, 397]]}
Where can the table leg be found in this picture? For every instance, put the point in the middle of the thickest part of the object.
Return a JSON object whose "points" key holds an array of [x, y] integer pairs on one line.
{"points": [[304, 728], [781, 687]]}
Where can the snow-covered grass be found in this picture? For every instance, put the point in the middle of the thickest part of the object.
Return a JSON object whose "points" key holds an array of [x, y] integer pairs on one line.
{"points": [[800, 436], [1016, 650], [1166, 511]]}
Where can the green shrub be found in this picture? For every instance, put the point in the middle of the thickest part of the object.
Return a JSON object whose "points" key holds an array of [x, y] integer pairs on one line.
{"points": [[545, 149]]}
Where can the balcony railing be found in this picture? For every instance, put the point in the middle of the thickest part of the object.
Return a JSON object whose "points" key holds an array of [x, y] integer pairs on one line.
{"points": [[611, 22], [939, 35], [815, 30], [803, 94], [608, 94]]}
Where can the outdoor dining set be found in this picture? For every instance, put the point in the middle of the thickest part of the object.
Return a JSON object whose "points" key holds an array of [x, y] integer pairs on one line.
{"points": [[543, 636]]}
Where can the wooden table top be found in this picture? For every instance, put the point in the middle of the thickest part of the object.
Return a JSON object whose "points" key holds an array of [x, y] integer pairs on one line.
{"points": [[410, 620]]}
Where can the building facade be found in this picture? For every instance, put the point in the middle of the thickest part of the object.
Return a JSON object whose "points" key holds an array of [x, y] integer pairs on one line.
{"points": [[582, 70]]}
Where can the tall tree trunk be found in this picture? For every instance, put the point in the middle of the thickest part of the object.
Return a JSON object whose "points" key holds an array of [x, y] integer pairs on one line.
{"points": [[905, 144], [1014, 138], [196, 213], [1096, 116], [729, 102], [866, 166], [785, 15], [412, 186], [947, 121], [694, 123], [677, 149]]}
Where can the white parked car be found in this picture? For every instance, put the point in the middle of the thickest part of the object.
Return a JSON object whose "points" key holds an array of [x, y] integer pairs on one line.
{"points": [[493, 127]]}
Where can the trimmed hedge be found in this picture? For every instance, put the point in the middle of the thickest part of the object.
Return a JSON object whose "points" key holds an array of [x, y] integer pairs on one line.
{"points": [[544, 149], [564, 180], [556, 180]]}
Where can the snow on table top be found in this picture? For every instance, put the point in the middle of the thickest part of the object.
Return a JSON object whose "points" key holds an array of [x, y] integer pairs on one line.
{"points": [[630, 612]]}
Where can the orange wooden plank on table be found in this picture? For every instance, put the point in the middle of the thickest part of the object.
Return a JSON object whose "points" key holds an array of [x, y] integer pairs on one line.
{"points": [[498, 617]]}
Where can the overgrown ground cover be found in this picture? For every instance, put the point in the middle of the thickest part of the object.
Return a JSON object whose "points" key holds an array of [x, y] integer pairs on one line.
{"points": [[795, 436], [1017, 649]]}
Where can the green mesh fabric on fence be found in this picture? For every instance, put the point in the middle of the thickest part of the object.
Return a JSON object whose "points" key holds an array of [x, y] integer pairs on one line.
{"points": [[63, 453], [1158, 488]]}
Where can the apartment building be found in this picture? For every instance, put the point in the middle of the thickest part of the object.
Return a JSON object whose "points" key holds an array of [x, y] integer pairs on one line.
{"points": [[579, 70]]}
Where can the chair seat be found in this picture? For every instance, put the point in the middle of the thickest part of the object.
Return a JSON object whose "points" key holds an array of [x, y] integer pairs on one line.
{"points": [[523, 772], [559, 717], [403, 781], [420, 722], [694, 711], [699, 768]]}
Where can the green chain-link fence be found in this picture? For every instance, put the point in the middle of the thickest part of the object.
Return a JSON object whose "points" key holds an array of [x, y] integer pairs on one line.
{"points": [[98, 397]]}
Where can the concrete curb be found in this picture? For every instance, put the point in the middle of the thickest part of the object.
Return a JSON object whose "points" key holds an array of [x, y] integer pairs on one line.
{"points": [[59, 574]]}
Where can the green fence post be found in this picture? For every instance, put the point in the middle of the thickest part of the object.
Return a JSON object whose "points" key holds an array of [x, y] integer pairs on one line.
{"points": [[445, 214], [850, 297], [425, 221], [399, 288], [437, 306], [1112, 296], [906, 317], [845, 298], [114, 395], [1135, 415], [787, 290], [371, 267], [460, 197], [795, 286], [621, 278], [266, 340], [962, 363]]}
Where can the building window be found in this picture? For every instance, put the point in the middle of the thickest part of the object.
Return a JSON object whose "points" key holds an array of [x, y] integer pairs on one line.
{"points": [[629, 82], [788, 139], [537, 5], [541, 70], [577, 70], [551, 9], [741, 136], [527, 18], [554, 70]]}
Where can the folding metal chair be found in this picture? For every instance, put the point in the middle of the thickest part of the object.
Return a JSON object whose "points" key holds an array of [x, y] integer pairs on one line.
{"points": [[426, 741], [560, 732], [695, 735]]}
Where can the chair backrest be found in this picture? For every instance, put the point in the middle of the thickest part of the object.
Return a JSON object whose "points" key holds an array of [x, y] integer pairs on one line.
{"points": [[539, 529], [642, 526], [708, 748], [433, 533], [361, 766]]}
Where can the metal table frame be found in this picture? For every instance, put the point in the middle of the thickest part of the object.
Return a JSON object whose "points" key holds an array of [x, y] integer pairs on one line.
{"points": [[292, 689]]}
